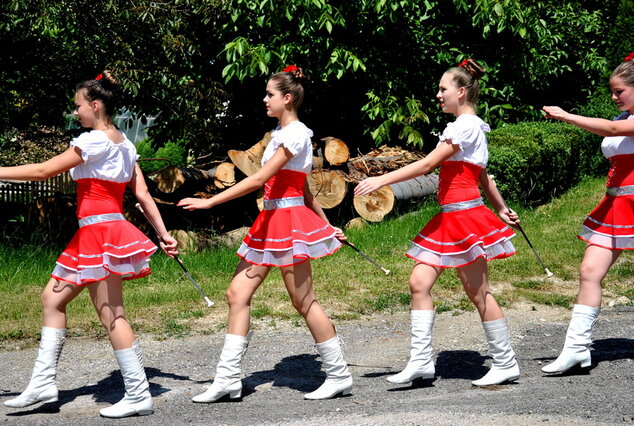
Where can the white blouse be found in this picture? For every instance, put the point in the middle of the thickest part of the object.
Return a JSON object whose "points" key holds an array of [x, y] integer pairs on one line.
{"points": [[104, 159], [296, 138], [468, 132], [618, 145]]}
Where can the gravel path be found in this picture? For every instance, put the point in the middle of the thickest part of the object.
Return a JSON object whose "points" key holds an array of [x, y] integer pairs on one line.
{"points": [[281, 365]]}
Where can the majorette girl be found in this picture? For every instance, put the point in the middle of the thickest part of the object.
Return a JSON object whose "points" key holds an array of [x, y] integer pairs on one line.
{"points": [[464, 235], [609, 229], [291, 230], [105, 250]]}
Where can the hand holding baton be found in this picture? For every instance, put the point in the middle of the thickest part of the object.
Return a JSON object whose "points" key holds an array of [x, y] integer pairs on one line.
{"points": [[177, 259], [349, 244]]}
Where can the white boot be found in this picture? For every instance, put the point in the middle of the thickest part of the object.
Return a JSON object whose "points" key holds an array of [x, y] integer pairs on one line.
{"points": [[420, 362], [42, 387], [227, 380], [578, 338], [504, 367], [137, 399], [338, 377]]}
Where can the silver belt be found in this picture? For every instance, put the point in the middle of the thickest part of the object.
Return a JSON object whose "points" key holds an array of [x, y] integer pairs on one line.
{"points": [[620, 190], [281, 203], [461, 205], [98, 218]]}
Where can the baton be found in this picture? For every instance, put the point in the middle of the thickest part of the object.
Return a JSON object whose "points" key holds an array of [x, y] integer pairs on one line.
{"points": [[177, 259], [349, 244], [539, 259]]}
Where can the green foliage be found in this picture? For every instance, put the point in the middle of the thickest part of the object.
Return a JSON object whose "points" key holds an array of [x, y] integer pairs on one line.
{"points": [[171, 154], [200, 65], [534, 161]]}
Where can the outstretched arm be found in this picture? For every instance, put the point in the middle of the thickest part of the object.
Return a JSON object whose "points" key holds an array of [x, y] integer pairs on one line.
{"points": [[245, 186], [418, 168], [599, 126], [42, 171], [490, 189], [139, 188]]}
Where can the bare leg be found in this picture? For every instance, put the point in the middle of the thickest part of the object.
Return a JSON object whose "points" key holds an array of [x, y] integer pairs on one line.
{"points": [[245, 282], [474, 279], [55, 297], [107, 298], [594, 267], [299, 284], [42, 387], [421, 281]]}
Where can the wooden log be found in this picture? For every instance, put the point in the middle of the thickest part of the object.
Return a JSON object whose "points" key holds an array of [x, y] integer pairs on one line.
{"points": [[171, 178], [187, 240], [250, 161], [329, 187], [417, 187], [374, 206], [336, 151], [224, 175]]}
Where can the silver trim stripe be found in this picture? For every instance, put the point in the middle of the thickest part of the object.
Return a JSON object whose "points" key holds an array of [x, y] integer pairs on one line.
{"points": [[279, 240], [99, 218], [620, 190], [461, 205], [281, 203], [607, 225]]}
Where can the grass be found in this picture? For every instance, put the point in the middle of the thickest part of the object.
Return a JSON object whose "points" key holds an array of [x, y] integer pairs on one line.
{"points": [[165, 304]]}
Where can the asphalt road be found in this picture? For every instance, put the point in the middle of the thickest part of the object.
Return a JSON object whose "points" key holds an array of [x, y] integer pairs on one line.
{"points": [[281, 365]]}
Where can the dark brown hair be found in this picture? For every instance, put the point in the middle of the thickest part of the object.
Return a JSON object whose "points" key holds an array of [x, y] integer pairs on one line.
{"points": [[625, 72], [102, 88], [466, 75], [291, 83]]}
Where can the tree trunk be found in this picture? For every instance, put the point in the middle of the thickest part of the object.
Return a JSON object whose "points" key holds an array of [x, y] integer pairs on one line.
{"points": [[336, 151], [250, 161], [374, 206], [329, 187], [224, 175], [417, 187]]}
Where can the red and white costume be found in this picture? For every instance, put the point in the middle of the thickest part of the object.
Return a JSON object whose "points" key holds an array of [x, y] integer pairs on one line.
{"points": [[611, 223], [106, 243], [287, 232], [465, 229]]}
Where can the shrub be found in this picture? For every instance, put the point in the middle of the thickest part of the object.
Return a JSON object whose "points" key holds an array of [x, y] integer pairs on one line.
{"points": [[173, 153], [534, 161]]}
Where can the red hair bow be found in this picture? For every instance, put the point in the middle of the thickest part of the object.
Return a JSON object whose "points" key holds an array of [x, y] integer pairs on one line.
{"points": [[463, 63], [629, 57], [99, 77], [290, 68]]}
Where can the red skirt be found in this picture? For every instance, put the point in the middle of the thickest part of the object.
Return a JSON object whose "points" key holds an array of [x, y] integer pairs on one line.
{"points": [[458, 238], [287, 236], [611, 223], [100, 249]]}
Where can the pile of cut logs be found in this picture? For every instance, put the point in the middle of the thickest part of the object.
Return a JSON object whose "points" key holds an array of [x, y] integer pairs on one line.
{"points": [[331, 181]]}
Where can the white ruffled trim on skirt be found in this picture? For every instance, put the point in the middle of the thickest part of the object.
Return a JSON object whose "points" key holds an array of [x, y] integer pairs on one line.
{"points": [[612, 242], [128, 266], [456, 260], [286, 257]]}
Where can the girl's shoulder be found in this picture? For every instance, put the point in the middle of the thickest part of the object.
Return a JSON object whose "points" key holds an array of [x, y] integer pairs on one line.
{"points": [[294, 128], [96, 142], [472, 120]]}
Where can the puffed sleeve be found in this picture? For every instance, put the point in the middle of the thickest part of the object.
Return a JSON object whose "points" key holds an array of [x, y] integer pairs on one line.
{"points": [[294, 137], [464, 132], [91, 144]]}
